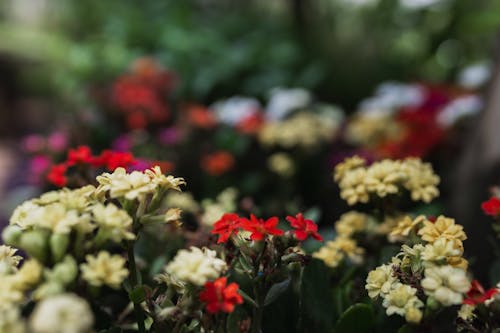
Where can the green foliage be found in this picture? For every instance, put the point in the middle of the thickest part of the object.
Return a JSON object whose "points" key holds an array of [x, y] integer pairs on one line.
{"points": [[358, 318]]}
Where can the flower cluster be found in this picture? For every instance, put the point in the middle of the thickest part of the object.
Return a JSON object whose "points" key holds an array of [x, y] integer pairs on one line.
{"points": [[359, 183], [431, 273]]}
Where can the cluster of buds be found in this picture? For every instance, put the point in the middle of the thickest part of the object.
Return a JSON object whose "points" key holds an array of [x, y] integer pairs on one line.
{"points": [[428, 275]]}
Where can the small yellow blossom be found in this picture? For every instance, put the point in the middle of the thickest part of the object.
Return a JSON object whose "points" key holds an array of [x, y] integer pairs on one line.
{"points": [[113, 221], [384, 177], [443, 227], [401, 298], [466, 312], [442, 249], [348, 164], [8, 260], [413, 315], [11, 321], [353, 188], [380, 281], [165, 182], [351, 223], [104, 269], [406, 225], [334, 251], [281, 164], [421, 181], [29, 274], [134, 185]]}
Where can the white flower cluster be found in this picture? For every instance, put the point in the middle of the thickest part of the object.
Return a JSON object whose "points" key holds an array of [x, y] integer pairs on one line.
{"points": [[214, 209]]}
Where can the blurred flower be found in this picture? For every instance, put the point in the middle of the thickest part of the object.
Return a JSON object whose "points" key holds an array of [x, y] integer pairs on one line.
{"points": [[491, 207], [38, 165], [260, 227], [282, 164], [392, 95], [333, 252], [283, 101], [406, 225], [65, 313], [8, 260], [475, 75], [57, 175], [33, 143], [220, 297], [419, 4], [234, 110], [114, 159], [80, 154], [200, 116], [217, 163], [304, 227], [226, 226], [442, 227], [351, 223], [58, 141], [446, 284], [400, 299], [11, 321], [477, 295], [250, 124], [458, 109], [104, 269], [169, 136]]}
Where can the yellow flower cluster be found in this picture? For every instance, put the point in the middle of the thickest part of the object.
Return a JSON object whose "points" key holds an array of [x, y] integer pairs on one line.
{"points": [[334, 252], [372, 131], [437, 257], [358, 182], [351, 222], [303, 129], [104, 269], [281, 164]]}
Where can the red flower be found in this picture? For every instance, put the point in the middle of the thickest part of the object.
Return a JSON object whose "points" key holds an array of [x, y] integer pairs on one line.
{"points": [[114, 159], [259, 228], [220, 297], [491, 207], [476, 295], [304, 228], [201, 117], [81, 154], [57, 175], [227, 225], [251, 124], [217, 163]]}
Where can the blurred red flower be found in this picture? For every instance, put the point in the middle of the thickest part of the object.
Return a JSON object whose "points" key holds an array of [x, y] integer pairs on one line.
{"points": [[219, 296], [80, 154], [57, 175], [217, 163], [491, 207], [477, 295], [200, 116], [303, 227]]}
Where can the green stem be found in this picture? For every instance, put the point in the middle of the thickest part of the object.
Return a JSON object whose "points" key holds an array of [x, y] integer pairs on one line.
{"points": [[139, 315], [258, 312]]}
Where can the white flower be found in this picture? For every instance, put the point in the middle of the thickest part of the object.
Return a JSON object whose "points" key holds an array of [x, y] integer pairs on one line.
{"points": [[441, 249], [283, 101], [104, 269], [65, 313], [113, 221], [165, 182], [475, 75], [400, 299], [446, 284], [419, 4], [459, 108], [235, 109], [11, 321], [196, 266], [8, 260], [57, 218], [22, 213], [134, 185], [380, 281], [390, 96]]}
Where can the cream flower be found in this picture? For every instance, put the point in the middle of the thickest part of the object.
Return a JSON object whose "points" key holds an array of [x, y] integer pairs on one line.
{"points": [[406, 225], [442, 249], [196, 266], [334, 251], [104, 269], [446, 284], [331, 257], [162, 181], [281, 164], [130, 186], [66, 313], [443, 227], [57, 218], [182, 200], [413, 315], [29, 274], [11, 321], [10, 295], [380, 281], [466, 312], [8, 260], [348, 164], [22, 213], [114, 222], [401, 298], [353, 188], [421, 181], [351, 223], [173, 215], [384, 177]]}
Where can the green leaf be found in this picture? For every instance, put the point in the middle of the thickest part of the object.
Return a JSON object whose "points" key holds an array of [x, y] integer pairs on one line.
{"points": [[247, 298], [358, 318], [406, 329], [276, 290], [138, 294], [495, 272]]}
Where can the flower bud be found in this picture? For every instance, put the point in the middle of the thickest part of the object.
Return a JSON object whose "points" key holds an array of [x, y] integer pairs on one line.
{"points": [[35, 243], [58, 246], [64, 272], [11, 235], [48, 289]]}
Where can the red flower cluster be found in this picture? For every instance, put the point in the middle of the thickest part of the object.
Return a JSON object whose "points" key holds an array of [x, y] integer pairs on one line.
{"points": [[477, 295], [139, 94], [229, 224], [82, 155], [491, 207], [217, 163], [220, 297]]}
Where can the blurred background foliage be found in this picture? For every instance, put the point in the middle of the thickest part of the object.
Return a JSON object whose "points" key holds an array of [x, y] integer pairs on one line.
{"points": [[339, 49]]}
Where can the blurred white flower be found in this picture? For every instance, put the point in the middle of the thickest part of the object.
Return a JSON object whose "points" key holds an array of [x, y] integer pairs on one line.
{"points": [[233, 110], [419, 4], [459, 108], [390, 96], [475, 75], [283, 101]]}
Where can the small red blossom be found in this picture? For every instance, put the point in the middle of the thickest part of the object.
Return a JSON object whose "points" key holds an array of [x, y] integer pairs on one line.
{"points": [[260, 228], [476, 295], [57, 175], [114, 159], [80, 154], [226, 226], [491, 207], [303, 227], [251, 124], [201, 117], [219, 296], [217, 163]]}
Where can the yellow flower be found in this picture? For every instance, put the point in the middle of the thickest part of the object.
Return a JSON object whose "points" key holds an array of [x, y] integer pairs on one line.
{"points": [[351, 223], [380, 281], [413, 315], [114, 222], [164, 182], [466, 312], [348, 164], [334, 251], [10, 295], [282, 164], [406, 225], [330, 256], [443, 227], [353, 188], [134, 185], [11, 321], [384, 177], [446, 284], [421, 181], [104, 269], [400, 299], [442, 249], [8, 260], [29, 274]]}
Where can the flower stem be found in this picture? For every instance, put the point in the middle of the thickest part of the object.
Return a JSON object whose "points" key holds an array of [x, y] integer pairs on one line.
{"points": [[139, 315], [258, 312]]}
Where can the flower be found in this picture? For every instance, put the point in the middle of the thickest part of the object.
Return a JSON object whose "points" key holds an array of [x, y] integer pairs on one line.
{"points": [[384, 177], [8, 260], [413, 315], [114, 159], [219, 296], [491, 207], [400, 299], [441, 249], [442, 227], [421, 180], [281, 164], [446, 284], [11, 321], [29, 274], [260, 228], [57, 175], [304, 227], [104, 269], [80, 154], [122, 184], [477, 295], [380, 281], [65, 313], [353, 188], [226, 226], [406, 225], [351, 223], [466, 312], [348, 164], [333, 252], [113, 221], [164, 182], [282, 101], [200, 116], [196, 266], [217, 163]]}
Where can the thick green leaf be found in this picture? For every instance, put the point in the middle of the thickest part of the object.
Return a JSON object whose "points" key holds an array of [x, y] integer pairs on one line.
{"points": [[138, 294], [276, 290], [358, 318]]}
